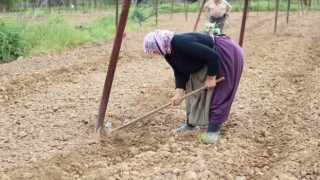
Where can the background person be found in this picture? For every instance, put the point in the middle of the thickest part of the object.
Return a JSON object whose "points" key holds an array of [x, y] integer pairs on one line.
{"points": [[219, 11], [191, 54]]}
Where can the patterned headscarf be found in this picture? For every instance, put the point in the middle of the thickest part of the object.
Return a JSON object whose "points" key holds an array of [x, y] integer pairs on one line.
{"points": [[158, 40]]}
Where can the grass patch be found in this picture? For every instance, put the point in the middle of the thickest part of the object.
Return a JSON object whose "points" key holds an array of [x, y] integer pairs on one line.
{"points": [[58, 34], [54, 35], [271, 6]]}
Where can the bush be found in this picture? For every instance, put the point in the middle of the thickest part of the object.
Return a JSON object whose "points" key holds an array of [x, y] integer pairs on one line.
{"points": [[11, 44]]}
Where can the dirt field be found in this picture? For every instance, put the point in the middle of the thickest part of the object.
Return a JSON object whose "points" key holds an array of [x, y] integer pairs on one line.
{"points": [[49, 106]]}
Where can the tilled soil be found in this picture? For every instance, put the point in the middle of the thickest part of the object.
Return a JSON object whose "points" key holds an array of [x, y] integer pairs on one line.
{"points": [[49, 106]]}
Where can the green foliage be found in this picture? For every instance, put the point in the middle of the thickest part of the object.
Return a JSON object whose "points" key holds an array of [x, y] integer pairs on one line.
{"points": [[203, 139], [117, 141], [57, 34], [265, 6], [178, 8], [11, 44]]}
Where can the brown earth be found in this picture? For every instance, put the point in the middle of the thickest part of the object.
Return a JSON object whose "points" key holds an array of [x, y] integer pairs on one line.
{"points": [[49, 106]]}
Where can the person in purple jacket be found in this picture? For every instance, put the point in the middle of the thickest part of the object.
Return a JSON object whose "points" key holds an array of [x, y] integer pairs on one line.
{"points": [[190, 53]]}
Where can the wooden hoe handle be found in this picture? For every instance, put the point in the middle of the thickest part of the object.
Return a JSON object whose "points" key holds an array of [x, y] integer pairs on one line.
{"points": [[162, 107]]}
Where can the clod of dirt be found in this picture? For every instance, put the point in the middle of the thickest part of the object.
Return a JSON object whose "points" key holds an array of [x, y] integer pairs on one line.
{"points": [[190, 175], [283, 176], [176, 171], [133, 150], [174, 147]]}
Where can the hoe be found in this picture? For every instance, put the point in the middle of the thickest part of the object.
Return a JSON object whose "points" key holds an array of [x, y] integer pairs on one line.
{"points": [[109, 125]]}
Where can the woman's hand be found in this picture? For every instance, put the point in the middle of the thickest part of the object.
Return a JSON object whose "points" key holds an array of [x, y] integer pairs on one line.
{"points": [[176, 99], [210, 82]]}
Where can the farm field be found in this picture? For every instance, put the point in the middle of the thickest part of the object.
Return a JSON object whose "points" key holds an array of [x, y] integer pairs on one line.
{"points": [[49, 106]]}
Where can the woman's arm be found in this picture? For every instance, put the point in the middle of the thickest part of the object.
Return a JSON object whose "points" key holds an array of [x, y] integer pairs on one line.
{"points": [[181, 81], [176, 99]]}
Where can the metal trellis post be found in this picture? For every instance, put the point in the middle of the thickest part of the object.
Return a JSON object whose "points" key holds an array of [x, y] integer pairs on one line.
{"points": [[197, 21], [117, 7], [244, 19], [111, 69], [156, 1], [276, 18], [288, 10]]}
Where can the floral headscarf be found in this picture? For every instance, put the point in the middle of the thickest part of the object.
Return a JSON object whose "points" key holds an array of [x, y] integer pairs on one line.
{"points": [[158, 40]]}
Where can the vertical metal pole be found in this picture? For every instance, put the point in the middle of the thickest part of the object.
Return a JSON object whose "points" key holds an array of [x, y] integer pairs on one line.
{"points": [[276, 18], [117, 7], [197, 21], [185, 9], [171, 8], [49, 5], [75, 5], [111, 69], [302, 7], [25, 6], [309, 6], [298, 8], [83, 5], [248, 9], [156, 1], [288, 10], [243, 24], [258, 7]]}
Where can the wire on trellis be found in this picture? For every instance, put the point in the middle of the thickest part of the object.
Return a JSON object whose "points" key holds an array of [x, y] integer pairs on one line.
{"points": [[143, 9]]}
